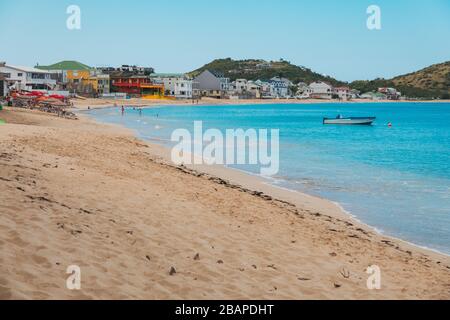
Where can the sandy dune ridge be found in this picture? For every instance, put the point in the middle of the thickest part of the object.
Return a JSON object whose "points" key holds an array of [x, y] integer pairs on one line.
{"points": [[81, 193]]}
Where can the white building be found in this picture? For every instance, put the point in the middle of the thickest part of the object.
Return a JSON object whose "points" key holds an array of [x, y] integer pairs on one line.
{"points": [[183, 89], [254, 89], [175, 84], [265, 88], [302, 88], [344, 93], [320, 90], [279, 87], [240, 85], [27, 78]]}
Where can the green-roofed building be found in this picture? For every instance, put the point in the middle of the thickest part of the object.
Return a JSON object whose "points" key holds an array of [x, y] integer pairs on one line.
{"points": [[67, 71], [65, 66]]}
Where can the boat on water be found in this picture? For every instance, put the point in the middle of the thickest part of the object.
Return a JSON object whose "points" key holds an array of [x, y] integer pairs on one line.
{"points": [[350, 120]]}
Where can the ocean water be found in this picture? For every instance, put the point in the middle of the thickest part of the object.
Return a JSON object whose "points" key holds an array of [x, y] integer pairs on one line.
{"points": [[395, 179]]}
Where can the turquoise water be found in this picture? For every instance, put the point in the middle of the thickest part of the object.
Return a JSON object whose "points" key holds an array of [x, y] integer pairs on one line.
{"points": [[395, 179]]}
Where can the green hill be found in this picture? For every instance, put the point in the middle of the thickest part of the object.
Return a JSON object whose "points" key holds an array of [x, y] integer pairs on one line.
{"points": [[430, 82], [65, 65], [254, 69]]}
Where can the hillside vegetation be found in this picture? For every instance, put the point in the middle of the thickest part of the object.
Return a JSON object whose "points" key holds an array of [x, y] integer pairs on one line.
{"points": [[430, 82], [254, 69]]}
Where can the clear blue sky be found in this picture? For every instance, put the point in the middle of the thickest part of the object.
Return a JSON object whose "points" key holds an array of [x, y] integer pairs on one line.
{"points": [[328, 36]]}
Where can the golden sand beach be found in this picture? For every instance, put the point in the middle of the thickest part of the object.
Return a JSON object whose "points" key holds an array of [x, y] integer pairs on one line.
{"points": [[92, 195]]}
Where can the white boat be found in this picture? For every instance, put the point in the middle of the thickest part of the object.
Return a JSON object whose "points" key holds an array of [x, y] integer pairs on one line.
{"points": [[350, 121]]}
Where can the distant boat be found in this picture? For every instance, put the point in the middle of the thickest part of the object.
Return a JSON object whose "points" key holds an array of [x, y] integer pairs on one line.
{"points": [[349, 121]]}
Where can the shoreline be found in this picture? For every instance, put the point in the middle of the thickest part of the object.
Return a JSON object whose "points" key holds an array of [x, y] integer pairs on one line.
{"points": [[94, 195], [256, 182], [137, 102]]}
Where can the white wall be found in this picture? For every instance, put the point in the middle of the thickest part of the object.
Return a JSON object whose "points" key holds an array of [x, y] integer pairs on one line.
{"points": [[183, 89], [14, 75], [25, 78]]}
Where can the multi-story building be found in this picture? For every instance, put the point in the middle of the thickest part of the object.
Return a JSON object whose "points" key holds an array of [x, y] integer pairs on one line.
{"points": [[320, 90], [240, 85], [265, 88], [184, 89], [128, 83], [136, 85], [253, 89], [175, 84], [302, 87], [27, 78], [77, 76], [98, 83], [212, 84], [343, 93], [279, 87], [68, 72]]}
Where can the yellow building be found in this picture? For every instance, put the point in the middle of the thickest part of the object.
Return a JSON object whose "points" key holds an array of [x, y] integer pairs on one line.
{"points": [[99, 83], [77, 76], [152, 91]]}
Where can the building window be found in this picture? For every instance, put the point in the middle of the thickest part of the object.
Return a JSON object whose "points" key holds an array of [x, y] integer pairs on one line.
{"points": [[20, 74]]}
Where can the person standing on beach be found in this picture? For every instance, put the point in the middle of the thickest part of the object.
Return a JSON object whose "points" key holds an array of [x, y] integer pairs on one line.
{"points": [[123, 110]]}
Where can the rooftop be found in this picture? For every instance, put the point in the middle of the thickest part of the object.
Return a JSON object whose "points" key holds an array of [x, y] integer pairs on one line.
{"points": [[26, 69], [167, 75], [65, 65], [127, 74], [217, 74]]}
